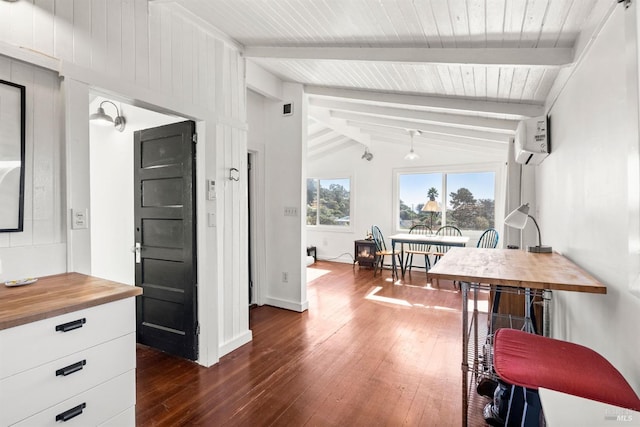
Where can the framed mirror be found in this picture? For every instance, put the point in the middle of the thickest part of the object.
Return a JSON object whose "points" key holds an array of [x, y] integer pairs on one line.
{"points": [[12, 145]]}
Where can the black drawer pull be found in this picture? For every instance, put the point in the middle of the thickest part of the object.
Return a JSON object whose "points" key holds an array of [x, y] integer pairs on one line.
{"points": [[71, 413], [68, 370], [66, 327]]}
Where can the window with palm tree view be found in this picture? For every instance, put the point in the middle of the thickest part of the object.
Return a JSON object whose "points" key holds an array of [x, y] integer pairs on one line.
{"points": [[464, 200], [329, 202]]}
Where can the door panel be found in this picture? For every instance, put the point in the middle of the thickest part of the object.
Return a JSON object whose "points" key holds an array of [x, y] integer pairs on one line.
{"points": [[165, 229]]}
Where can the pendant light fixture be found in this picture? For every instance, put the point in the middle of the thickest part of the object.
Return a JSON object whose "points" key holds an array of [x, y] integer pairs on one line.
{"points": [[412, 155], [103, 119]]}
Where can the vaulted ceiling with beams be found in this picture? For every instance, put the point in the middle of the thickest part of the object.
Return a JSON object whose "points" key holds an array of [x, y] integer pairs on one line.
{"points": [[462, 72]]}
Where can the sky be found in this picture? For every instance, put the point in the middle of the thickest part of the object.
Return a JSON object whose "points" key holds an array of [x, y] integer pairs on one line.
{"points": [[414, 187]]}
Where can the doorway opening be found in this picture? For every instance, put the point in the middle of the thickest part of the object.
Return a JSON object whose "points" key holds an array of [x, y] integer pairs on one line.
{"points": [[112, 207]]}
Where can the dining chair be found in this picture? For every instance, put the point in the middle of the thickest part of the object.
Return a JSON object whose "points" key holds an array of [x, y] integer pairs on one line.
{"points": [[488, 239], [381, 250], [418, 248], [447, 230]]}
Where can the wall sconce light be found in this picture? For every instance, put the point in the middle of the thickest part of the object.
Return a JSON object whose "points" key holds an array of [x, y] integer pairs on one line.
{"points": [[367, 154], [412, 155], [234, 174], [103, 119], [518, 219]]}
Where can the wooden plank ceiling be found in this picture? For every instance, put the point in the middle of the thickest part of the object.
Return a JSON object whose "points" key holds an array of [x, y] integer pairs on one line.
{"points": [[462, 72]]}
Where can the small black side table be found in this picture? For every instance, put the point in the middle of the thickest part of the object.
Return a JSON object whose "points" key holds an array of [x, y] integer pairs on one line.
{"points": [[311, 251]]}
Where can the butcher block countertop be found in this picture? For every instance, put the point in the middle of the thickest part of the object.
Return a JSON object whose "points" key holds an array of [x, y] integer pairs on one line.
{"points": [[54, 295]]}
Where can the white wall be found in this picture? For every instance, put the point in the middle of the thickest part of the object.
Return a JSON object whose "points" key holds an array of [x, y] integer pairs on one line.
{"points": [[581, 192], [372, 187], [150, 54], [285, 142], [40, 249], [111, 213]]}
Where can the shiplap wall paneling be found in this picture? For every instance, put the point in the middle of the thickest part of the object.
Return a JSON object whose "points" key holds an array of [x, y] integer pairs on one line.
{"points": [[43, 20], [82, 24], [142, 42], [113, 38], [47, 171], [129, 43], [235, 299], [24, 75], [222, 79], [42, 198], [99, 28]]}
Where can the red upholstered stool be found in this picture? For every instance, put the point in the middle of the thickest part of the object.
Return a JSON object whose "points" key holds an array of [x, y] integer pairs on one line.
{"points": [[534, 361]]}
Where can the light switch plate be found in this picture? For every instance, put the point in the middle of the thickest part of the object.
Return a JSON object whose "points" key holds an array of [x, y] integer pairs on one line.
{"points": [[211, 189], [290, 211]]}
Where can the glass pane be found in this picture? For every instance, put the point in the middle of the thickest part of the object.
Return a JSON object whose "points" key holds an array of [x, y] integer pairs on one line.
{"points": [[312, 201], [334, 204], [415, 191], [471, 200]]}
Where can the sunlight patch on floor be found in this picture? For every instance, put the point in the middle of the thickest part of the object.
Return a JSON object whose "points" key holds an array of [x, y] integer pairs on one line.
{"points": [[483, 305], [314, 273], [373, 297]]}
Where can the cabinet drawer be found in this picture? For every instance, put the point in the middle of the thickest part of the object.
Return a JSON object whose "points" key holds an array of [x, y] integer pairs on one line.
{"points": [[36, 343], [36, 389], [124, 419], [93, 407]]}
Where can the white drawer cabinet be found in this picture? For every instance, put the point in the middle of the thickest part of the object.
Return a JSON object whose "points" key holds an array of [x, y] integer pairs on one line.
{"points": [[78, 365], [36, 343], [91, 408]]}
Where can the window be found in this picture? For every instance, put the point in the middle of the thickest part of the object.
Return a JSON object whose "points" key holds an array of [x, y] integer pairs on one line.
{"points": [[329, 202], [464, 199], [471, 200]]}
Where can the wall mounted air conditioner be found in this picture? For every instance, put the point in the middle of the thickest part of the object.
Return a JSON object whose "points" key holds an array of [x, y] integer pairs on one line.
{"points": [[532, 141]]}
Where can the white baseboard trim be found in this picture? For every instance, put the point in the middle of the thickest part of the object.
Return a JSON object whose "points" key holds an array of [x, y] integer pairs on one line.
{"points": [[235, 343], [288, 305]]}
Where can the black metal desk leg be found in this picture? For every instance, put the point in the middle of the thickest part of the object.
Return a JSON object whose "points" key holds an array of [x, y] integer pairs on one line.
{"points": [[465, 348]]}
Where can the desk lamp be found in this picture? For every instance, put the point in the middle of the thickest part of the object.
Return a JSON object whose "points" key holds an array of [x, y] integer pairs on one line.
{"points": [[518, 219]]}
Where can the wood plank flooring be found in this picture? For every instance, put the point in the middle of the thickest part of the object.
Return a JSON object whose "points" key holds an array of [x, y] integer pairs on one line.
{"points": [[366, 353]]}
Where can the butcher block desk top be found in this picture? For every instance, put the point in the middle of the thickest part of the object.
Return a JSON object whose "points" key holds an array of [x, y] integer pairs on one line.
{"points": [[516, 268], [54, 295]]}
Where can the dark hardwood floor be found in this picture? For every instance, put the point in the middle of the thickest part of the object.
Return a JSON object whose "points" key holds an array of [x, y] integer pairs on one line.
{"points": [[366, 353]]}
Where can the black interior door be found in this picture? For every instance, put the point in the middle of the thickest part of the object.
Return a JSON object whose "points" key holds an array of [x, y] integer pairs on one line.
{"points": [[165, 233]]}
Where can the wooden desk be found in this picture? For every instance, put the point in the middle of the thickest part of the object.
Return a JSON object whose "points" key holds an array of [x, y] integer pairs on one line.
{"points": [[507, 267], [517, 268], [423, 239]]}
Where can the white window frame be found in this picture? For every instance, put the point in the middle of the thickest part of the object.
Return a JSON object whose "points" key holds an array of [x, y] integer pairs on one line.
{"points": [[333, 228], [499, 169]]}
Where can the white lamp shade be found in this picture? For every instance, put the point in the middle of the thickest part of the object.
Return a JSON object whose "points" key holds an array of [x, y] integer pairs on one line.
{"points": [[101, 118], [431, 206], [518, 218], [411, 155]]}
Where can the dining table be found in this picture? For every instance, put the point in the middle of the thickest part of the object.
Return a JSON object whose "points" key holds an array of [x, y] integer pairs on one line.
{"points": [[422, 239]]}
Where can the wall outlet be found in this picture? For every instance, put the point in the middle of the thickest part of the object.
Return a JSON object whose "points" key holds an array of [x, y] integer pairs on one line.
{"points": [[285, 277], [79, 219]]}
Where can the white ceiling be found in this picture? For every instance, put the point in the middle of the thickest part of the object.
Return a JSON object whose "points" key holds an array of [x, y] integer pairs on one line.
{"points": [[463, 72]]}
